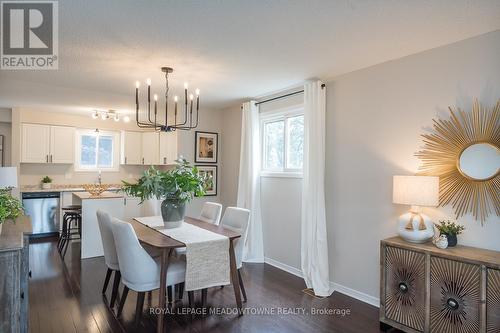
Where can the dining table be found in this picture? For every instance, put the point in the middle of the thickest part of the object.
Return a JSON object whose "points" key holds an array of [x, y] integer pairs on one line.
{"points": [[166, 245]]}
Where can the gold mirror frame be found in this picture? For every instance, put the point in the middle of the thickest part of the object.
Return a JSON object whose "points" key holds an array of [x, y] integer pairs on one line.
{"points": [[441, 155]]}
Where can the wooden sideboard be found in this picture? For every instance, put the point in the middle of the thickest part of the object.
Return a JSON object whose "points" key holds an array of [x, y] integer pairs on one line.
{"points": [[14, 275], [426, 289]]}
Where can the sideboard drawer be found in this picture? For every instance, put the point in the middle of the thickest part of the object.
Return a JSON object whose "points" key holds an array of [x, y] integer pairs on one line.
{"points": [[493, 302], [455, 296], [404, 287]]}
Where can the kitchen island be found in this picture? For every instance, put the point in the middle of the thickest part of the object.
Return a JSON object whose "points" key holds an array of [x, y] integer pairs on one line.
{"points": [[115, 204]]}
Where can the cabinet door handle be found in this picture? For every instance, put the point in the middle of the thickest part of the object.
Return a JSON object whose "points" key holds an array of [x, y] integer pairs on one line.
{"points": [[143, 160], [125, 159], [50, 158], [47, 158], [164, 160]]}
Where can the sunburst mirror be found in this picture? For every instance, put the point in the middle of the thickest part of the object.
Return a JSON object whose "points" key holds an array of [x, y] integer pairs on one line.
{"points": [[464, 151]]}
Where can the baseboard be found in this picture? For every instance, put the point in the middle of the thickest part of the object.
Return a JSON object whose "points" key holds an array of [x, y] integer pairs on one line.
{"points": [[334, 286], [284, 267], [355, 294]]}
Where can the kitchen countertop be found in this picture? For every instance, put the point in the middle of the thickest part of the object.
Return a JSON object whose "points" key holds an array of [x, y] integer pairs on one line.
{"points": [[103, 195], [63, 188]]}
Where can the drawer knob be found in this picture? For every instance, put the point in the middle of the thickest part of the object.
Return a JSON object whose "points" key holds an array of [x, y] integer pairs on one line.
{"points": [[452, 303], [403, 287]]}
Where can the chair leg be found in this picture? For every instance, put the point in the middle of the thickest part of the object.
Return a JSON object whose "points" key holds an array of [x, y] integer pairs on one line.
{"points": [[204, 297], [169, 293], [116, 283], [180, 294], [242, 287], [139, 307], [106, 280], [191, 298], [122, 301]]}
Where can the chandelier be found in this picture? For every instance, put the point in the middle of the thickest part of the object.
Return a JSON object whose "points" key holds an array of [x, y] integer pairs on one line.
{"points": [[153, 120]]}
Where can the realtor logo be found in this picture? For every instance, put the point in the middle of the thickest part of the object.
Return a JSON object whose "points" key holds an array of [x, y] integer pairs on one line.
{"points": [[29, 38]]}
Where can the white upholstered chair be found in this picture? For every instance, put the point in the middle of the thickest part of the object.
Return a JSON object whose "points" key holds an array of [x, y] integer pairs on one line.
{"points": [[211, 212], [110, 256], [238, 219], [139, 271]]}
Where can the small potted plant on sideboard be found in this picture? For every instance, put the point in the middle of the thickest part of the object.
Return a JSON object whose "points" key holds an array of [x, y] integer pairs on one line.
{"points": [[450, 230], [46, 182], [10, 207]]}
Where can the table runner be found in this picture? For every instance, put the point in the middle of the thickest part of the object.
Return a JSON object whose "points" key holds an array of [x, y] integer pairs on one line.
{"points": [[207, 253]]}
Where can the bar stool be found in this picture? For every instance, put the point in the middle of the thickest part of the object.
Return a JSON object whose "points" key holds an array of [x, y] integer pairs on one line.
{"points": [[72, 219]]}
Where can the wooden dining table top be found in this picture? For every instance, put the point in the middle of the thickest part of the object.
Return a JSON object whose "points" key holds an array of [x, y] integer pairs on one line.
{"points": [[154, 237]]}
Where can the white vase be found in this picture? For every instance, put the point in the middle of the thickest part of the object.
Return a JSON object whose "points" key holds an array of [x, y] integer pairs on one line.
{"points": [[46, 186]]}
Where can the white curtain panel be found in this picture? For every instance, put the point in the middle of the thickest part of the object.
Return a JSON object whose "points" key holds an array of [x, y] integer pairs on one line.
{"points": [[314, 245], [249, 181]]}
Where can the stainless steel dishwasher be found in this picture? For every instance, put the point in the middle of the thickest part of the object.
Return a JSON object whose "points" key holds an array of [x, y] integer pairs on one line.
{"points": [[43, 208]]}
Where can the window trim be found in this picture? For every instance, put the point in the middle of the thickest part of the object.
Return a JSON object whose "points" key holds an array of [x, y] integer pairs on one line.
{"points": [[273, 116], [116, 150]]}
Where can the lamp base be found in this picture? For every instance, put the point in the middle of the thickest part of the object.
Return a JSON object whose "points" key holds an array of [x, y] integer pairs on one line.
{"points": [[415, 227]]}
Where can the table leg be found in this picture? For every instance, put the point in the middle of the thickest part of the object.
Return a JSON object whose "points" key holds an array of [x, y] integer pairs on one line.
{"points": [[163, 281], [234, 277]]}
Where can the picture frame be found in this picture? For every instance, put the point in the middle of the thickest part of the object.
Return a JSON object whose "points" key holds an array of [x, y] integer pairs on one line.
{"points": [[206, 147], [211, 169]]}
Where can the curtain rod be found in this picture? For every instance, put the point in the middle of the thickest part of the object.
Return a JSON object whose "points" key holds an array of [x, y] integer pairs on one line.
{"points": [[283, 96]]}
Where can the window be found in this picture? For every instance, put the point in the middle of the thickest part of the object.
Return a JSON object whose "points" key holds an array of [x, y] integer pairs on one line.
{"points": [[283, 142], [97, 150]]}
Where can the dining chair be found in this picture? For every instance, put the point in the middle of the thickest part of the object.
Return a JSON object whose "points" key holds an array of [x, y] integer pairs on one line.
{"points": [[211, 212], [110, 256], [139, 271], [237, 219]]}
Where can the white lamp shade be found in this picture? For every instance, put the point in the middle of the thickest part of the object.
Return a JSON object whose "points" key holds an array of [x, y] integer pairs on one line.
{"points": [[416, 190], [8, 177]]}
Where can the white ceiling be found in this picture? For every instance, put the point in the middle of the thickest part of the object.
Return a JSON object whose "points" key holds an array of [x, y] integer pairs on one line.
{"points": [[231, 50]]}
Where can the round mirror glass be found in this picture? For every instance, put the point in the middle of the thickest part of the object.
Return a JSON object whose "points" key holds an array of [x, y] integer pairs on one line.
{"points": [[480, 161]]}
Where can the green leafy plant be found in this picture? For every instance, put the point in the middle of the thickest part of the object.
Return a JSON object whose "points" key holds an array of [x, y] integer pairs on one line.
{"points": [[447, 227], [181, 183], [46, 180], [10, 207]]}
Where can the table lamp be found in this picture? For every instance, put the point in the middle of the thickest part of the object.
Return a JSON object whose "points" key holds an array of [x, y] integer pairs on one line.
{"points": [[8, 178], [416, 191]]}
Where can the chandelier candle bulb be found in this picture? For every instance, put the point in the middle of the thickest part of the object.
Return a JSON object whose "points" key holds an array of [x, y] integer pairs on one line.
{"points": [[148, 81]]}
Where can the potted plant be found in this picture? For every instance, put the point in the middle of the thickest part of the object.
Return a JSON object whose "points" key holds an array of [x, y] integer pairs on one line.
{"points": [[450, 230], [46, 182], [10, 207], [176, 187]]}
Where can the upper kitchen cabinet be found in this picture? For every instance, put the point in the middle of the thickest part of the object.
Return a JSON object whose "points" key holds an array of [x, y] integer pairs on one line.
{"points": [[62, 144], [150, 148], [47, 144], [168, 148], [131, 147]]}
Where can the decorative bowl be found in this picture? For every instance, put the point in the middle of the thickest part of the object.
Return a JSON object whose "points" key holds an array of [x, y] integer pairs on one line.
{"points": [[95, 189]]}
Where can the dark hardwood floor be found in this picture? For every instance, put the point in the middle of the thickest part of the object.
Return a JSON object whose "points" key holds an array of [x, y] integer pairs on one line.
{"points": [[65, 296]]}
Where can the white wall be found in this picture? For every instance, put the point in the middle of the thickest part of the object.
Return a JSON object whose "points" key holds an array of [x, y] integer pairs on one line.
{"points": [[374, 121]]}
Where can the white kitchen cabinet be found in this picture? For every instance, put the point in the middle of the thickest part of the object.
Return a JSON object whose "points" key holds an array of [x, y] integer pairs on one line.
{"points": [[132, 208], [62, 144], [47, 144], [168, 147], [150, 148], [131, 147]]}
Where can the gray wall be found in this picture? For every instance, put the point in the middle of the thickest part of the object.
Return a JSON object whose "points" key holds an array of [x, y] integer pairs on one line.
{"points": [[375, 117], [374, 121]]}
